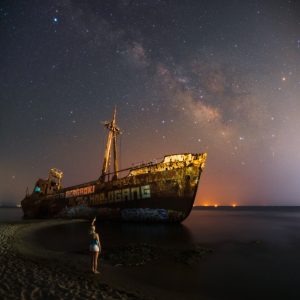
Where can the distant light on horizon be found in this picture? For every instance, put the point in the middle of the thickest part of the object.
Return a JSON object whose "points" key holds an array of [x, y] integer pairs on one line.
{"points": [[207, 204]]}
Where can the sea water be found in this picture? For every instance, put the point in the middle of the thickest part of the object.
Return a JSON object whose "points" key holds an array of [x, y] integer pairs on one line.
{"points": [[11, 214], [273, 224], [280, 226]]}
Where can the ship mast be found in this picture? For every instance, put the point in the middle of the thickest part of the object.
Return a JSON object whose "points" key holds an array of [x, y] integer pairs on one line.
{"points": [[114, 130]]}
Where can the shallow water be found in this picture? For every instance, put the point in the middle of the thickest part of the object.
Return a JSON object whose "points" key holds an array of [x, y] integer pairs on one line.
{"points": [[274, 226], [277, 228], [11, 214]]}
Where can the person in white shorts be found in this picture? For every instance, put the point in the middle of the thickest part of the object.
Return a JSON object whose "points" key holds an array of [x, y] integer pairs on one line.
{"points": [[95, 247]]}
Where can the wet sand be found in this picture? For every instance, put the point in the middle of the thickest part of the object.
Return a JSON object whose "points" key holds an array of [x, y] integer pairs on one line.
{"points": [[217, 256]]}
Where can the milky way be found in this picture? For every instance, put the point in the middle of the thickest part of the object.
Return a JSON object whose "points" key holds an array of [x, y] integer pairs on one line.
{"points": [[221, 77]]}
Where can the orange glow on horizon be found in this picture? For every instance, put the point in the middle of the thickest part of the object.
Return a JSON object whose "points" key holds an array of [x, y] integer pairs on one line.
{"points": [[216, 204]]}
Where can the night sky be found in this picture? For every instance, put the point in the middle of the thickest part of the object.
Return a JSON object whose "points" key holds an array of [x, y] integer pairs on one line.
{"points": [[221, 77]]}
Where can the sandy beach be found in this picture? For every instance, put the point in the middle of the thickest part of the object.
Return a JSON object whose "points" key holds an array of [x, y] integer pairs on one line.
{"points": [[29, 271], [48, 259], [37, 264]]}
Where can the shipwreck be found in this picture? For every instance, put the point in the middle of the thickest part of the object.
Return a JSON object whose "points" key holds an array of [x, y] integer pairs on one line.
{"points": [[161, 191]]}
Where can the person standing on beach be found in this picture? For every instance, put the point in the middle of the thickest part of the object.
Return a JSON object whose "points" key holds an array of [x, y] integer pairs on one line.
{"points": [[95, 247]]}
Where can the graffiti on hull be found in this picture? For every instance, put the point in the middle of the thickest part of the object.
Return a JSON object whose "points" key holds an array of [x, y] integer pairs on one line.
{"points": [[144, 214], [80, 191], [119, 195], [127, 214], [150, 214], [83, 211]]}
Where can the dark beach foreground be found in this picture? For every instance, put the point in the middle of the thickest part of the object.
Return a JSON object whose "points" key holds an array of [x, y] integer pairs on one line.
{"points": [[214, 254]]}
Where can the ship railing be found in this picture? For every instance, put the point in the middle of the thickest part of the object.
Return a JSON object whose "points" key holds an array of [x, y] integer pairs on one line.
{"points": [[135, 166], [143, 164]]}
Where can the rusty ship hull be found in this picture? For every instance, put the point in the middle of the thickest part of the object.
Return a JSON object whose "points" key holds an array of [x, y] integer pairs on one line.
{"points": [[163, 192]]}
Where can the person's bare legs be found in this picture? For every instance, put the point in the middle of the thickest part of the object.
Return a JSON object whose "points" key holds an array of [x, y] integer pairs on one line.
{"points": [[96, 262], [92, 261]]}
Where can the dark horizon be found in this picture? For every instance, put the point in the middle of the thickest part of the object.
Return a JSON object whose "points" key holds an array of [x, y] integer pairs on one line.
{"points": [[237, 207]]}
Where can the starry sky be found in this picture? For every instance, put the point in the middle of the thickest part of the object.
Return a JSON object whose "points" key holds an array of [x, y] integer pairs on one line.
{"points": [[221, 77]]}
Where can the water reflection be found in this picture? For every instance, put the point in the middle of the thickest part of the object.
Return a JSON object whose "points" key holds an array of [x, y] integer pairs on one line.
{"points": [[74, 236], [159, 234], [11, 214], [203, 227]]}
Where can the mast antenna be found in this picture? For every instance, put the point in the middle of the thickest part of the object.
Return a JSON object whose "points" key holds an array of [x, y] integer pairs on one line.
{"points": [[114, 130]]}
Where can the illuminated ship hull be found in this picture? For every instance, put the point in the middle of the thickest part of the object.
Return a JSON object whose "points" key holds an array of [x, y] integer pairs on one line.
{"points": [[163, 192]]}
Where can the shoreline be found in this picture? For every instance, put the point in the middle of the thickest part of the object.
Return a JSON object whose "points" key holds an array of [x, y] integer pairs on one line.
{"points": [[29, 271]]}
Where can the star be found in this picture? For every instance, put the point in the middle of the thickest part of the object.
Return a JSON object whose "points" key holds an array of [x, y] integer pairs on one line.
{"points": [[55, 20]]}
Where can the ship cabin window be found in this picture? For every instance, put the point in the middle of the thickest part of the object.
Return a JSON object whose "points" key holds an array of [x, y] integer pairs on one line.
{"points": [[37, 189]]}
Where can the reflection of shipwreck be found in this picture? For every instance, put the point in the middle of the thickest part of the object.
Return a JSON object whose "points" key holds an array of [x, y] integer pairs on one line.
{"points": [[163, 191]]}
